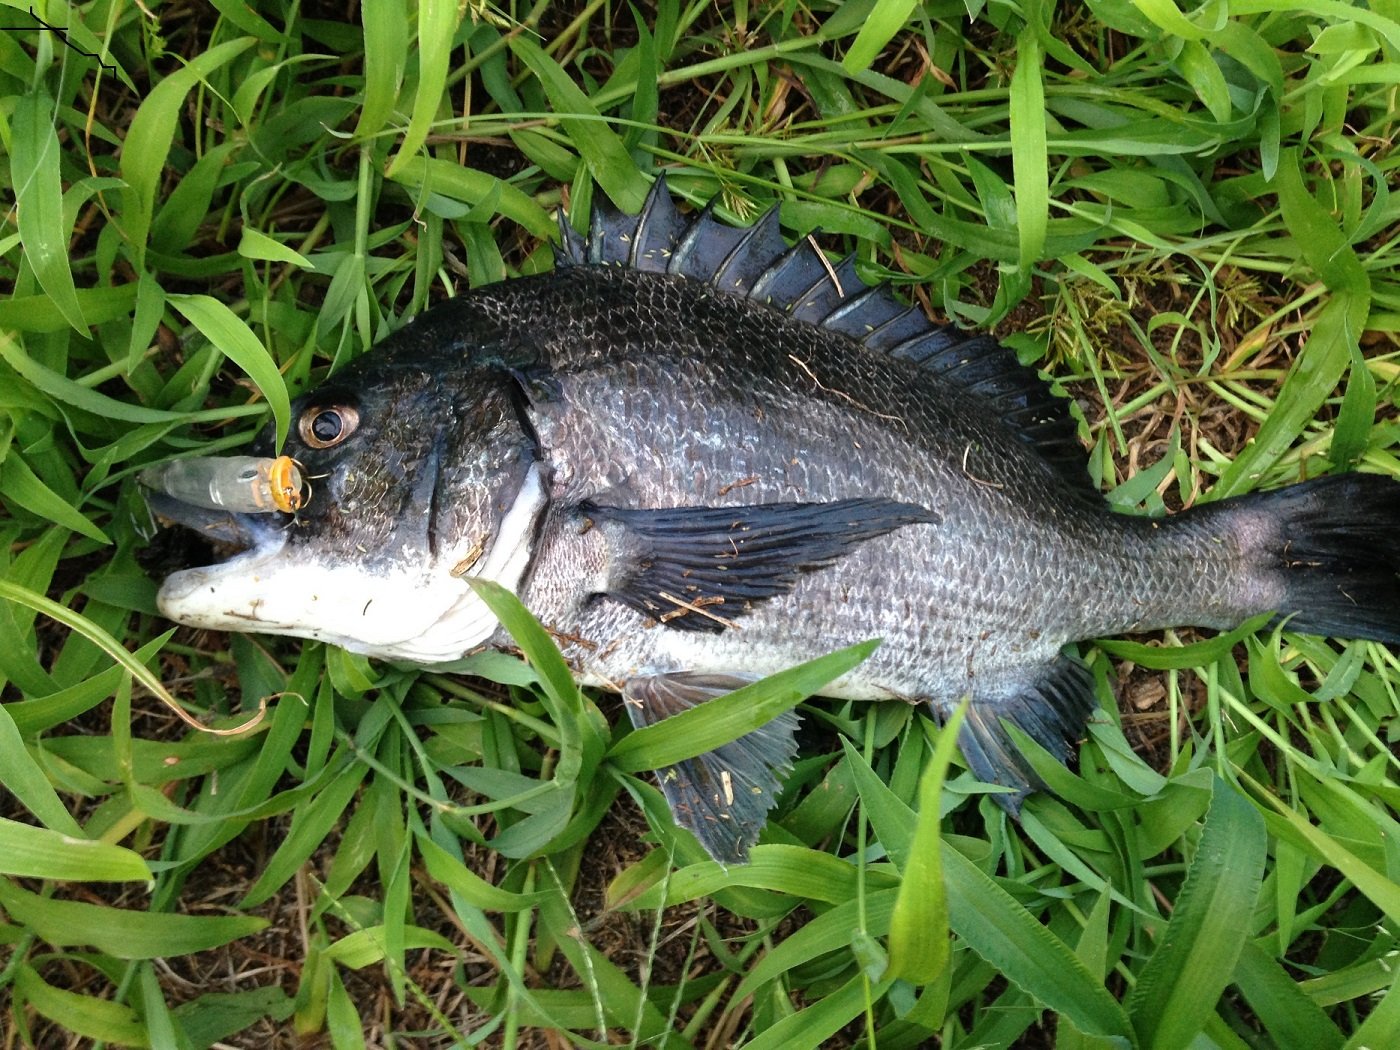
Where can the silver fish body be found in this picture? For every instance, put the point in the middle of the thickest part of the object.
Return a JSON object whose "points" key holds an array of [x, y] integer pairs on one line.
{"points": [[700, 456]]}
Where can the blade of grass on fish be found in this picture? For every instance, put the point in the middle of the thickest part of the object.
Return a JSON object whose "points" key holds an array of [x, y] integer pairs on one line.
{"points": [[999, 929], [1195, 955], [236, 341], [727, 718], [38, 853], [919, 947], [99, 1019], [602, 151], [1176, 657], [151, 136], [120, 932], [1028, 149], [38, 188], [581, 734], [437, 25]]}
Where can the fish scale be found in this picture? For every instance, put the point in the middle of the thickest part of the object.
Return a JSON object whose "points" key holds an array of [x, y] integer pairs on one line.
{"points": [[700, 456]]}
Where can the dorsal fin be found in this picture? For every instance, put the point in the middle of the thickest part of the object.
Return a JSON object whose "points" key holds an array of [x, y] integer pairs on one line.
{"points": [[755, 262]]}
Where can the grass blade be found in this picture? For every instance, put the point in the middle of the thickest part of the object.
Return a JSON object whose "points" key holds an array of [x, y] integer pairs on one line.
{"points": [[39, 194], [1196, 954], [1028, 149], [121, 933], [605, 154], [81, 1014], [236, 341], [38, 853], [884, 21], [151, 135], [919, 947], [999, 929], [727, 718], [437, 24]]}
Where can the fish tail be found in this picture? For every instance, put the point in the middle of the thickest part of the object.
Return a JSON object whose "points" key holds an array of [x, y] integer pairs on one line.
{"points": [[1331, 549]]}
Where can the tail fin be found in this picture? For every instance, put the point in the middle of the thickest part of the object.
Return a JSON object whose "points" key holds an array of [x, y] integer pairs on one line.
{"points": [[1335, 547]]}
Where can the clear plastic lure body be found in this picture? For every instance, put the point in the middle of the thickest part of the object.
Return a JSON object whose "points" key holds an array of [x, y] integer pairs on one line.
{"points": [[240, 484]]}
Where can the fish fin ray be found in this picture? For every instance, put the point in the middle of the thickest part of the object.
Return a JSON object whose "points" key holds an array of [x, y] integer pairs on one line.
{"points": [[722, 796], [720, 560], [658, 232], [828, 294], [752, 256], [705, 246], [1051, 703], [572, 249], [794, 274], [610, 234], [986, 368]]}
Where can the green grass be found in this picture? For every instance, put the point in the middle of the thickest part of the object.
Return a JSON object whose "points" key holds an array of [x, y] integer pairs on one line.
{"points": [[1189, 217]]}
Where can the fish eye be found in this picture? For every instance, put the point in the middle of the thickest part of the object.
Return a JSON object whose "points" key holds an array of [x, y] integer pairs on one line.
{"points": [[324, 426]]}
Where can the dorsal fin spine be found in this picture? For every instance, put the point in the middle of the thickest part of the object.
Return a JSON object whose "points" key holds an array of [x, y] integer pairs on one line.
{"points": [[752, 262]]}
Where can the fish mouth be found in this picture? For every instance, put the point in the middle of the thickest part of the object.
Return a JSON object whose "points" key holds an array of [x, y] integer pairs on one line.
{"points": [[401, 605], [221, 529], [241, 546]]}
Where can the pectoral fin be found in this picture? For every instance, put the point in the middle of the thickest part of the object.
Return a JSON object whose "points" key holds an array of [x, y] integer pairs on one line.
{"points": [[697, 568], [723, 796]]}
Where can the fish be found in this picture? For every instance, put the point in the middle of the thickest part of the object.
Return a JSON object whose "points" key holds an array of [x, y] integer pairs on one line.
{"points": [[700, 455]]}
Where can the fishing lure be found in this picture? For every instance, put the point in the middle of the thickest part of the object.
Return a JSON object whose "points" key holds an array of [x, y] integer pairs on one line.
{"points": [[240, 484]]}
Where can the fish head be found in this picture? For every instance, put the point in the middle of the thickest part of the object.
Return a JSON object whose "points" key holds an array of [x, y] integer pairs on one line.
{"points": [[420, 476]]}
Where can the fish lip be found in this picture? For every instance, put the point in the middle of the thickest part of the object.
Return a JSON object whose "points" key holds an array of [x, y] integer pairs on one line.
{"points": [[258, 540], [184, 582]]}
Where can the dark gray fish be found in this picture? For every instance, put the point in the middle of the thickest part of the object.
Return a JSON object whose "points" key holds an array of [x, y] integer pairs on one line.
{"points": [[705, 456]]}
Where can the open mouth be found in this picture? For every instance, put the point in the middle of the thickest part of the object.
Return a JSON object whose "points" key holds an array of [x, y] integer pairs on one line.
{"points": [[202, 546], [223, 531]]}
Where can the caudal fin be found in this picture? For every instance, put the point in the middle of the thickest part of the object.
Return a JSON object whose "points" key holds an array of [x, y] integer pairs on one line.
{"points": [[1335, 548]]}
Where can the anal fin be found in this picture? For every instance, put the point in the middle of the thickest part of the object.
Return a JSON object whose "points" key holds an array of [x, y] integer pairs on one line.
{"points": [[1051, 703], [723, 796]]}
